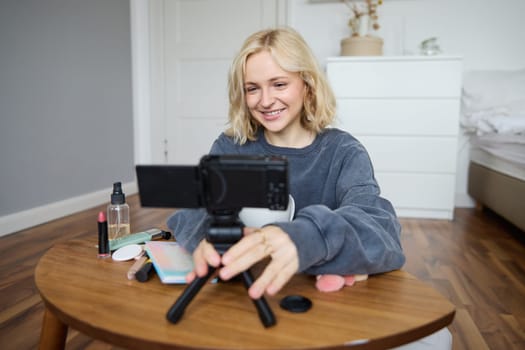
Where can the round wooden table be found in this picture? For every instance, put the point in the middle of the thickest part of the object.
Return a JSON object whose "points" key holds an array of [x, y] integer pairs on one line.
{"points": [[95, 297]]}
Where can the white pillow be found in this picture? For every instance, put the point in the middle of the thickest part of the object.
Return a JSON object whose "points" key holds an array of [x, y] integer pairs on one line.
{"points": [[483, 90]]}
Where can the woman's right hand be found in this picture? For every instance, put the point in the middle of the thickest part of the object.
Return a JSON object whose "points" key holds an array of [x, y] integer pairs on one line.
{"points": [[204, 255]]}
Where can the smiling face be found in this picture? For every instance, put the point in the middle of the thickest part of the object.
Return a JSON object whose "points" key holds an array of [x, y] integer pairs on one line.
{"points": [[274, 98]]}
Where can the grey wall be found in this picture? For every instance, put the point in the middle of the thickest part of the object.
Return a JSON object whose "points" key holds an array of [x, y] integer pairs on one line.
{"points": [[66, 124]]}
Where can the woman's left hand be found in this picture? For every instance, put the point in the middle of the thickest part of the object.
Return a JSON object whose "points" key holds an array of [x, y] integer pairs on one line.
{"points": [[257, 244]]}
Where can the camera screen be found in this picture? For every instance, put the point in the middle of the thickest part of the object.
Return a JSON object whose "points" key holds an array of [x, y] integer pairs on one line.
{"points": [[226, 182], [245, 181]]}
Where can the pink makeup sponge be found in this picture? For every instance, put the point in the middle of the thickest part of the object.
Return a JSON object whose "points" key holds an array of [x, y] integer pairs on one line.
{"points": [[332, 283]]}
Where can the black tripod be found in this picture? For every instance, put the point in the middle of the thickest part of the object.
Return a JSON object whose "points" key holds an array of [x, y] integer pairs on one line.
{"points": [[224, 231]]}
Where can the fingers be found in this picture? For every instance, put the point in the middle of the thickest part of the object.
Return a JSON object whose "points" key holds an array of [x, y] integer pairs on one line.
{"points": [[204, 255], [243, 255], [190, 276], [255, 246], [280, 270], [272, 280], [250, 230]]}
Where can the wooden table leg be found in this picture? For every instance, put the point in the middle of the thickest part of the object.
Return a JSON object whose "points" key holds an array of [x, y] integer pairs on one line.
{"points": [[54, 332]]}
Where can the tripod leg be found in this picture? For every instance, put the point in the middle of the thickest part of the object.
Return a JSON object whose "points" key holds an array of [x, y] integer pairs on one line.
{"points": [[263, 309], [177, 310]]}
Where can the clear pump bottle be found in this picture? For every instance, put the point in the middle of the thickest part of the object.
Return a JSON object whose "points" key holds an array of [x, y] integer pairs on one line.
{"points": [[118, 214]]}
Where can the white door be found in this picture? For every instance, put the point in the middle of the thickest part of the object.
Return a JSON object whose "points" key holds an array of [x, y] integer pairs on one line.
{"points": [[200, 38]]}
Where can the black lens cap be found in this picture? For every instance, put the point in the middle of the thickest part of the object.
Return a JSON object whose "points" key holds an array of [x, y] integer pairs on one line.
{"points": [[296, 303]]}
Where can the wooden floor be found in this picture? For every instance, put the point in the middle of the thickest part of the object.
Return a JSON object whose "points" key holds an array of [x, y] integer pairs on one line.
{"points": [[477, 261]]}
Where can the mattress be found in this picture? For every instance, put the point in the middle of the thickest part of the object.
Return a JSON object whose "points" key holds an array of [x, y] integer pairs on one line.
{"points": [[493, 115], [503, 153], [499, 192]]}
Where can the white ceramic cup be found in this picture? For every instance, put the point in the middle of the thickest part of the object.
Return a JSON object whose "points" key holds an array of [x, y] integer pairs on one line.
{"points": [[258, 217]]}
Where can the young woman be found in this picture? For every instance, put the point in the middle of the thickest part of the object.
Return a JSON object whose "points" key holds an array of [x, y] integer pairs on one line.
{"points": [[281, 104]]}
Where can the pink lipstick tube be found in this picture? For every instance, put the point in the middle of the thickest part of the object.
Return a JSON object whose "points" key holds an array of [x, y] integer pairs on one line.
{"points": [[103, 239]]}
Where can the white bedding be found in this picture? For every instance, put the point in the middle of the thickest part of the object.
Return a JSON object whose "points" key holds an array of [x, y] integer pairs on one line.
{"points": [[507, 147], [503, 153], [493, 102], [500, 165], [493, 115]]}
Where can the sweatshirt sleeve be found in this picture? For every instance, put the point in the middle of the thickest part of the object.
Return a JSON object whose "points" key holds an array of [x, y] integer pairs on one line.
{"points": [[360, 236], [189, 227]]}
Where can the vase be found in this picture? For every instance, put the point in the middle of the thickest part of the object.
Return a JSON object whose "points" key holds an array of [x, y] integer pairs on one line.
{"points": [[362, 46], [364, 24]]}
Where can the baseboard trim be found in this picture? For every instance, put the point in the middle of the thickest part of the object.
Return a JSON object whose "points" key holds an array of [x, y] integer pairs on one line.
{"points": [[28, 218], [463, 200]]}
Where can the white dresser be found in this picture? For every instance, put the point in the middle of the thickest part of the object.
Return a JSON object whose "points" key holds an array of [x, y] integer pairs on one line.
{"points": [[405, 110]]}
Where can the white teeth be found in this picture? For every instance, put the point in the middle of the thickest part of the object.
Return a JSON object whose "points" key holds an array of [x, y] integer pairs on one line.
{"points": [[274, 112]]}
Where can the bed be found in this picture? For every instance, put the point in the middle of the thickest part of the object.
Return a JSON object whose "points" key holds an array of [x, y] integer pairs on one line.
{"points": [[493, 117]]}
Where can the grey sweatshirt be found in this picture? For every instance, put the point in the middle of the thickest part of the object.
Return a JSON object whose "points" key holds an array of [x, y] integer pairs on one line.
{"points": [[341, 226]]}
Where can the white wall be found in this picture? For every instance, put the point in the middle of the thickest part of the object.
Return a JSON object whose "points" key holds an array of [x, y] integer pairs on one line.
{"points": [[488, 34]]}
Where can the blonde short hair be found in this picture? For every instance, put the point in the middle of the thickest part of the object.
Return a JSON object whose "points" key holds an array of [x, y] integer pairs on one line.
{"points": [[292, 54]]}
